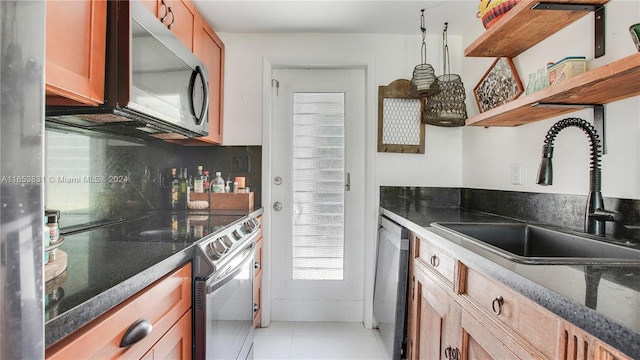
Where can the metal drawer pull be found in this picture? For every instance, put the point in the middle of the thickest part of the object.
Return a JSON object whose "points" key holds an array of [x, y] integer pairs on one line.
{"points": [[451, 353], [496, 305], [136, 332], [434, 261], [166, 12]]}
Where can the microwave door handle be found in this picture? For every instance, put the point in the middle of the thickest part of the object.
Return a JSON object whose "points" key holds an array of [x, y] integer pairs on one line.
{"points": [[205, 86]]}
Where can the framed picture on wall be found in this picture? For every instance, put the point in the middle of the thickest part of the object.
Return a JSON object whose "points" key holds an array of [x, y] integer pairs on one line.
{"points": [[499, 85]]}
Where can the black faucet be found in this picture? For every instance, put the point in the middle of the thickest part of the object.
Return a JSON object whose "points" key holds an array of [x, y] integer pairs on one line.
{"points": [[595, 215]]}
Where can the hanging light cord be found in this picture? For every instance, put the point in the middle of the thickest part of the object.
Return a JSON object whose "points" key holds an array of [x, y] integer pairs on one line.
{"points": [[423, 51], [445, 51]]}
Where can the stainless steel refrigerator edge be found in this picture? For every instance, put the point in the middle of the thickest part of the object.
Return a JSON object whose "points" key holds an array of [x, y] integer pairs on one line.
{"points": [[22, 29]]}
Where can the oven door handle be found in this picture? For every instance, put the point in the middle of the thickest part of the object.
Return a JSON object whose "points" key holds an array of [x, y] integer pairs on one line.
{"points": [[231, 270]]}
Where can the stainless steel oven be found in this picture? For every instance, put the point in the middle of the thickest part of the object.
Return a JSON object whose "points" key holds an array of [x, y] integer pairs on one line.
{"points": [[223, 293]]}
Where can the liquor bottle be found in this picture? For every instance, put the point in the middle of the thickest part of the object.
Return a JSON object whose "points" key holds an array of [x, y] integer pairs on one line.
{"points": [[174, 189], [206, 183], [198, 181], [183, 195], [217, 184]]}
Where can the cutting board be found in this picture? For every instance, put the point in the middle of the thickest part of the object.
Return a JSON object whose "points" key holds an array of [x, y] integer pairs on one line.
{"points": [[55, 267]]}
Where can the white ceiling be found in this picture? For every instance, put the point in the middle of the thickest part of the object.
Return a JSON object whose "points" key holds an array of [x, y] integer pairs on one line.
{"points": [[337, 16]]}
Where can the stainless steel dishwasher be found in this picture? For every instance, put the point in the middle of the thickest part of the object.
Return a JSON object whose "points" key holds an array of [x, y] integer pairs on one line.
{"points": [[390, 289]]}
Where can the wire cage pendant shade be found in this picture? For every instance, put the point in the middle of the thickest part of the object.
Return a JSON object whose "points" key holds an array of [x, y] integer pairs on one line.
{"points": [[447, 108], [424, 82]]}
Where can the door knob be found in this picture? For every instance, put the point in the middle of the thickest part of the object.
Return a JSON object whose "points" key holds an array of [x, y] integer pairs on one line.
{"points": [[277, 180], [277, 206]]}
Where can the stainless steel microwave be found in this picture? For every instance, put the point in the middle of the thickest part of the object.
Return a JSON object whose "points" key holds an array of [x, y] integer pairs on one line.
{"points": [[154, 86]]}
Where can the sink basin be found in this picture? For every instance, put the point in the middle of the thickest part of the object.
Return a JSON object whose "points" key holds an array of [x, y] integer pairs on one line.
{"points": [[532, 244]]}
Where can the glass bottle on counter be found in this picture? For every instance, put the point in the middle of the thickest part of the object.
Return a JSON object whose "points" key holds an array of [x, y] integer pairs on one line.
{"points": [[217, 184], [198, 181], [206, 182], [175, 189], [183, 195]]}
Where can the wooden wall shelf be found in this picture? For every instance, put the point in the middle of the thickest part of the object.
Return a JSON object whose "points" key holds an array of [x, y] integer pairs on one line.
{"points": [[614, 81], [521, 28]]}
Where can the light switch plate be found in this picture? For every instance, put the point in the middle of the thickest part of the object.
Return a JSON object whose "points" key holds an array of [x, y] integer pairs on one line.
{"points": [[241, 164], [516, 174]]}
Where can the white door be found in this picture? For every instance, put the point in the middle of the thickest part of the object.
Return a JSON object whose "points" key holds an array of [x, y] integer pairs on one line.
{"points": [[317, 237]]}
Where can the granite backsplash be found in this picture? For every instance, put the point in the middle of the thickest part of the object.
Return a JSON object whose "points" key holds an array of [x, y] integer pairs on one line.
{"points": [[566, 211], [93, 178]]}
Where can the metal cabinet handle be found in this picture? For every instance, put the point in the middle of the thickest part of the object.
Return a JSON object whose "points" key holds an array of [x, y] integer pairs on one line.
{"points": [[277, 206], [136, 332], [496, 305], [173, 18], [256, 265], [166, 11], [256, 307], [434, 261], [451, 353]]}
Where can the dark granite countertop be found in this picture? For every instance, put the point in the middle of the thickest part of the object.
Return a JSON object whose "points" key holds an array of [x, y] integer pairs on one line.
{"points": [[603, 300], [108, 264]]}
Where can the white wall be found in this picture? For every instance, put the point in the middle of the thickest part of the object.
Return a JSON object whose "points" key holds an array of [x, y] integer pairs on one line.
{"points": [[489, 152], [472, 157], [394, 56]]}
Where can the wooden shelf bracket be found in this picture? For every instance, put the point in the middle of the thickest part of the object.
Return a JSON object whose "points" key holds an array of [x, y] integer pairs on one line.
{"points": [[599, 48]]}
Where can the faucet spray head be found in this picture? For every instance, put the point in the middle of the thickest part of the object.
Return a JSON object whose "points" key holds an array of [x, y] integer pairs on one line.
{"points": [[545, 172]]}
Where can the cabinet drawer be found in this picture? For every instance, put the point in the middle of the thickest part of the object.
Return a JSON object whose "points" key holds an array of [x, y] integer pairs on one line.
{"points": [[530, 321], [162, 304], [438, 261]]}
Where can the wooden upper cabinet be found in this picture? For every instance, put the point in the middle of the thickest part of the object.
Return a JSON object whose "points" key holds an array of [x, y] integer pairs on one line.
{"points": [[178, 15], [208, 47], [75, 52]]}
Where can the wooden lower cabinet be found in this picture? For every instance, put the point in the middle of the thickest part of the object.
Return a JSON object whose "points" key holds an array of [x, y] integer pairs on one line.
{"points": [[438, 329], [475, 317], [176, 343], [165, 305]]}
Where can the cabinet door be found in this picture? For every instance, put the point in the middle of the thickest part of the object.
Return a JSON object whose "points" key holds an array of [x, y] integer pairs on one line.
{"points": [[181, 19], [210, 50], [176, 343], [75, 52], [178, 15], [439, 321], [480, 343], [162, 304]]}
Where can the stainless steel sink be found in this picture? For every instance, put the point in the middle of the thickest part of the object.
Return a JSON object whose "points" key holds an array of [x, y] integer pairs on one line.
{"points": [[532, 244]]}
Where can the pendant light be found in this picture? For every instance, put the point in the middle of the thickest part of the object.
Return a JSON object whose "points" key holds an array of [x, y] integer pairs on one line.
{"points": [[447, 108], [424, 82]]}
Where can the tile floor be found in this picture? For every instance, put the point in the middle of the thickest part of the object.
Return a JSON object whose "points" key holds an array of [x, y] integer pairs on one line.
{"points": [[317, 340]]}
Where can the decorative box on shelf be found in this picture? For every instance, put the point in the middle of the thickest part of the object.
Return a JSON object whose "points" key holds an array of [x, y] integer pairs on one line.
{"points": [[566, 68], [226, 201]]}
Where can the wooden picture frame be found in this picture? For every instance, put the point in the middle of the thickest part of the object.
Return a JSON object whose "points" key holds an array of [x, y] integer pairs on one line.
{"points": [[499, 85], [400, 119]]}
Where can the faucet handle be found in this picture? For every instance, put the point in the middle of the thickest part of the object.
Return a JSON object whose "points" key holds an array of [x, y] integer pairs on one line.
{"points": [[606, 215]]}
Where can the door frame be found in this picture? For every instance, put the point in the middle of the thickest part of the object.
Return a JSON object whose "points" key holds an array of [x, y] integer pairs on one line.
{"points": [[371, 192]]}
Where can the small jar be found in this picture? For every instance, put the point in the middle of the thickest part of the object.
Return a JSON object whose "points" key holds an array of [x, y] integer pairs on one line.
{"points": [[54, 229]]}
